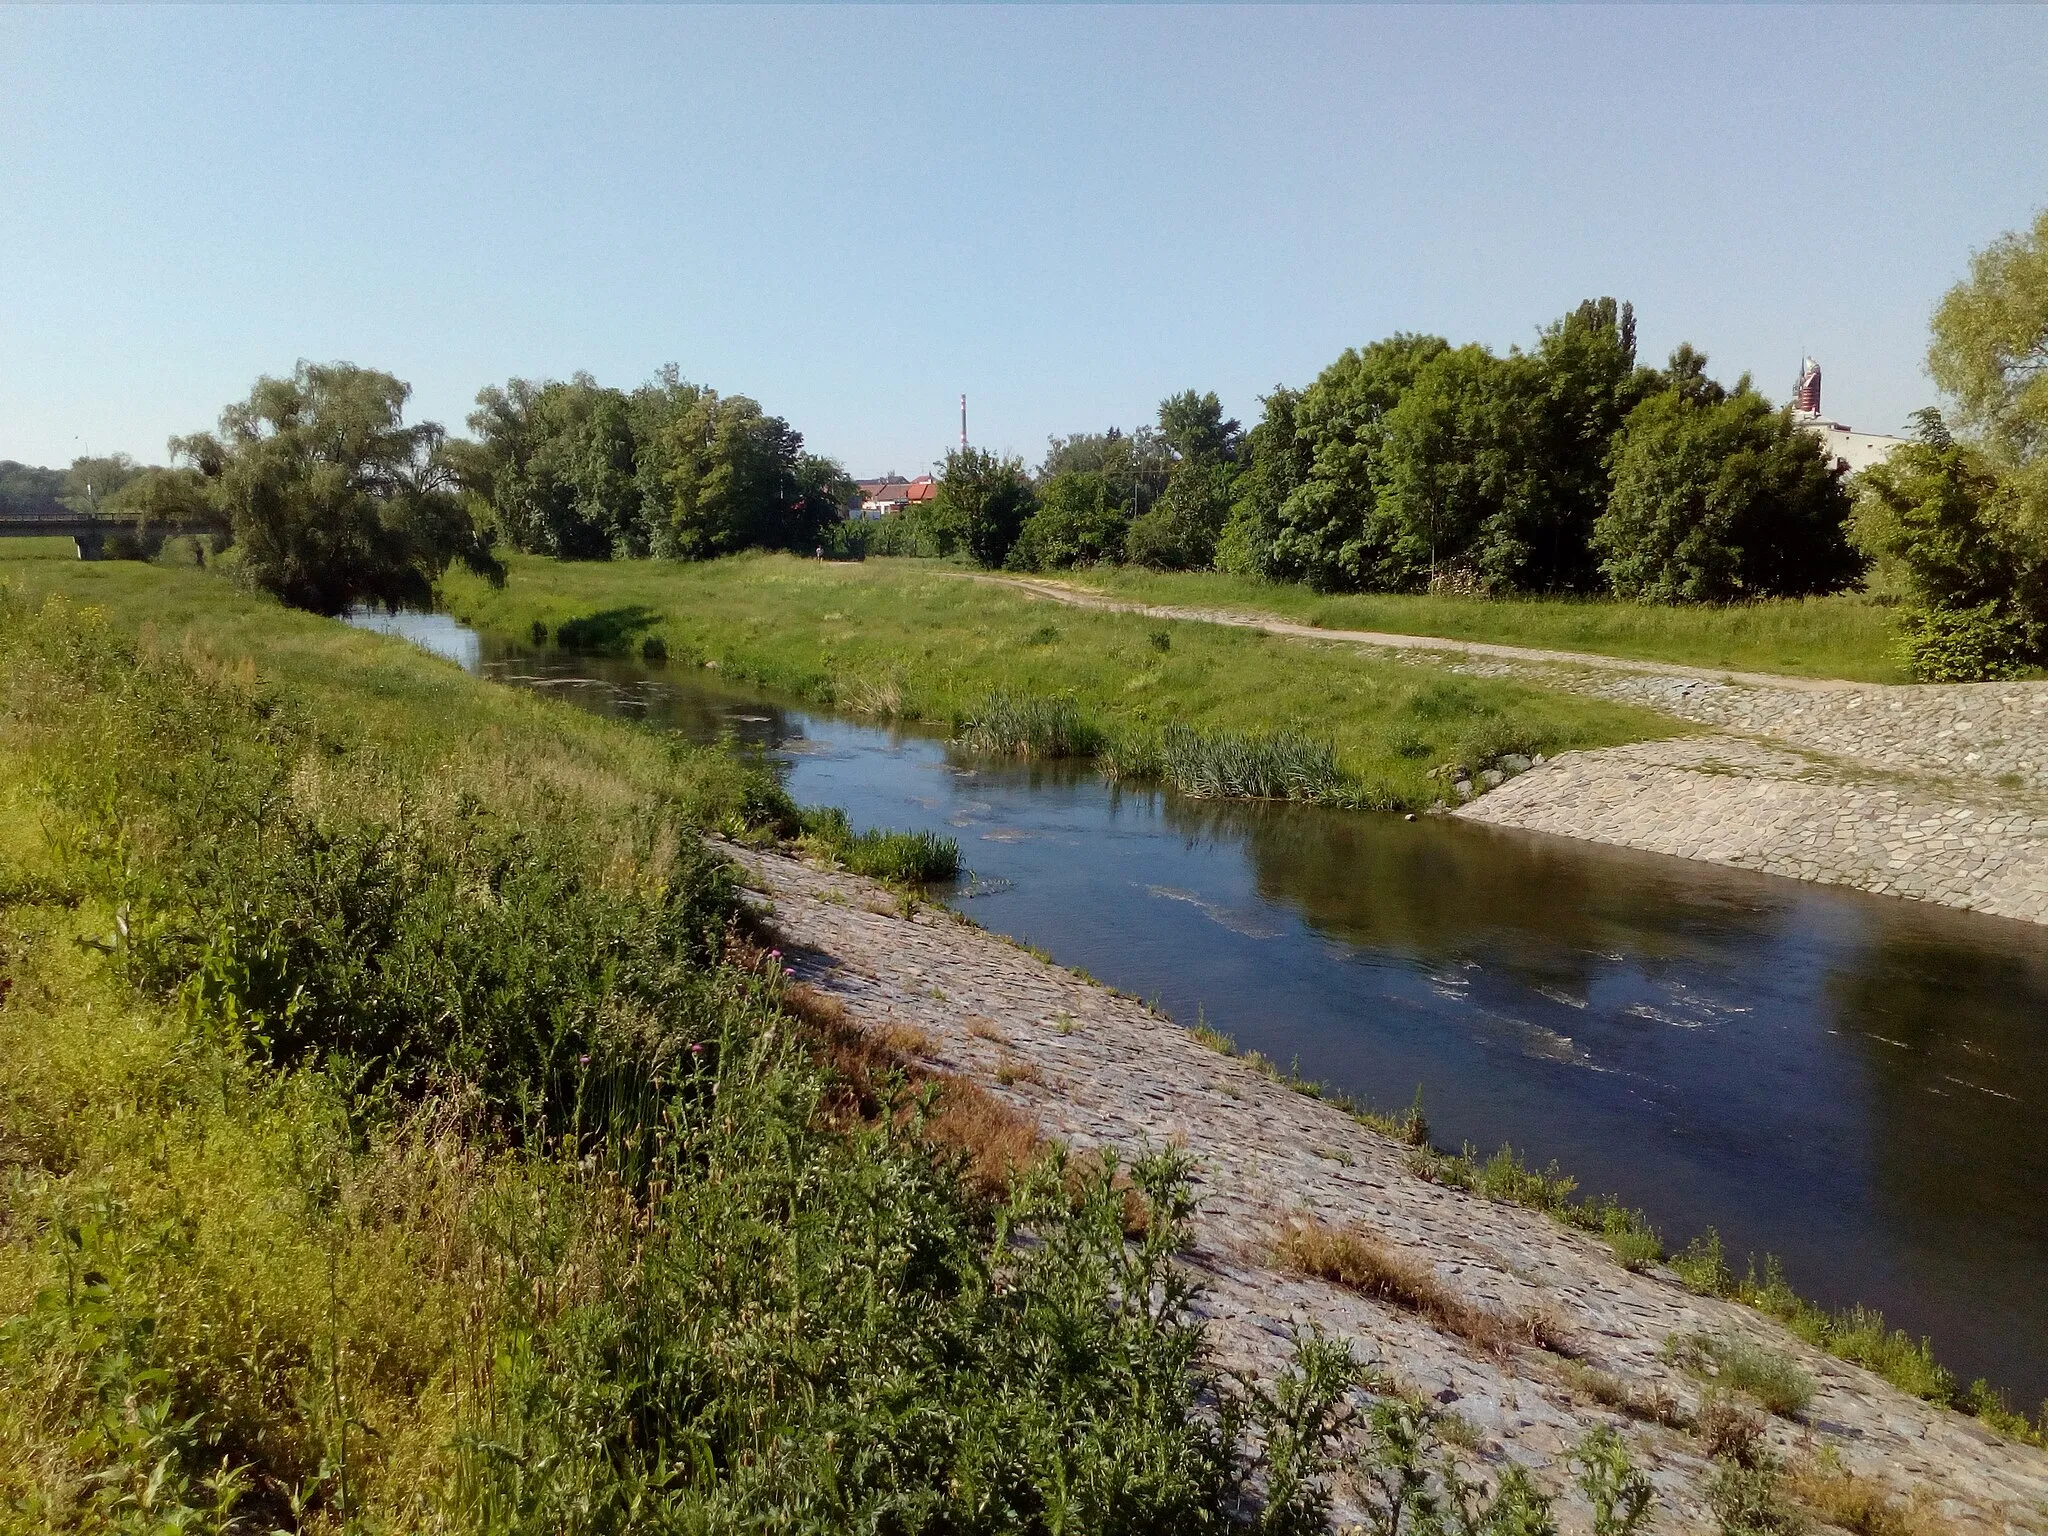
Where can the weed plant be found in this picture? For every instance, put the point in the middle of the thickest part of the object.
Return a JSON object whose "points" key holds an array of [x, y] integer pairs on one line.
{"points": [[1400, 1456], [1857, 1334]]}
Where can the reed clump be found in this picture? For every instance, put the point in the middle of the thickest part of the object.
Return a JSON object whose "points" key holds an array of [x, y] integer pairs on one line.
{"points": [[1227, 765], [897, 858], [1028, 725]]}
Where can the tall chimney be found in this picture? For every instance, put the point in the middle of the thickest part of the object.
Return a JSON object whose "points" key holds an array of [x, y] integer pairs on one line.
{"points": [[963, 423]]}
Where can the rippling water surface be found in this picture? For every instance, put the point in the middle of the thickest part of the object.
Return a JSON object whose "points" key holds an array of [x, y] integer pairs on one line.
{"points": [[1858, 1085]]}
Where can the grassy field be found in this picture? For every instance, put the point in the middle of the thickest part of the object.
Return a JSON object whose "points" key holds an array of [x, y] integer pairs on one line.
{"points": [[399, 1130], [1849, 636], [907, 639]]}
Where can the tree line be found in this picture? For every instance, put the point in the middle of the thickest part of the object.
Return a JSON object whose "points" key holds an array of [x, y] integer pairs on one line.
{"points": [[1412, 465], [1406, 465], [328, 498]]}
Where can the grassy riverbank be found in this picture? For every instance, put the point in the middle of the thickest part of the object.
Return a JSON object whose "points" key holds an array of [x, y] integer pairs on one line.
{"points": [[906, 639], [399, 1131], [1849, 636]]}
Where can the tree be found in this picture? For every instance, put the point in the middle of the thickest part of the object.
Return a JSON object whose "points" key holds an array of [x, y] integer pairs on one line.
{"points": [[986, 500], [556, 463], [1079, 521], [27, 491], [90, 482], [1989, 355], [1193, 428], [719, 475], [1135, 466], [331, 498], [1586, 381], [1181, 530], [1977, 578], [1316, 467], [1716, 500], [1461, 483]]}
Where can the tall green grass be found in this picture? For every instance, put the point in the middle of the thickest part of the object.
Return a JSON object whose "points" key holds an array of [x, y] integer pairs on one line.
{"points": [[401, 1132], [901, 858], [1029, 725]]}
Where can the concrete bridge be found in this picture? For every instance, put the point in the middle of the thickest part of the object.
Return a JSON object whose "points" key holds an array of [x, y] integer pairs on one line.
{"points": [[90, 534]]}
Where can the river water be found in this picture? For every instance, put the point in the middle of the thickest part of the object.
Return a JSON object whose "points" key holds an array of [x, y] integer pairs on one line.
{"points": [[1856, 1084]]}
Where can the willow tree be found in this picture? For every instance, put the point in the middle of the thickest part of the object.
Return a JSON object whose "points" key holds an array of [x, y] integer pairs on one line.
{"points": [[330, 498]]}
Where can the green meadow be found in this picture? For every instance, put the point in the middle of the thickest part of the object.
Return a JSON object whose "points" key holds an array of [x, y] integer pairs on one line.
{"points": [[918, 640]]}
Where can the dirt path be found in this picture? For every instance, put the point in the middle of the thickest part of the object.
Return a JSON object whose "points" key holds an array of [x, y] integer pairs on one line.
{"points": [[1099, 1070], [1934, 792], [1082, 597]]}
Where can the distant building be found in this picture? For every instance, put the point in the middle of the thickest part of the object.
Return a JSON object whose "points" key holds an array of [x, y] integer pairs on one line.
{"points": [[1851, 451], [878, 498]]}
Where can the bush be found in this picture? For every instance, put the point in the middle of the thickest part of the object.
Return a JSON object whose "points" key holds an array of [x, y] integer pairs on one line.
{"points": [[1966, 645], [1079, 521], [1716, 499], [1936, 517]]}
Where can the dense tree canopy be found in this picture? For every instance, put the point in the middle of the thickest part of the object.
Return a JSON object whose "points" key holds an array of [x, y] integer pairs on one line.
{"points": [[584, 472], [27, 490], [1938, 520], [1989, 355], [331, 498], [1081, 519], [1719, 499]]}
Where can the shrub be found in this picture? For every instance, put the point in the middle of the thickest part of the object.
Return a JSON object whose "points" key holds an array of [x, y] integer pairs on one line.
{"points": [[1765, 1374], [1721, 498], [1965, 645], [1080, 520]]}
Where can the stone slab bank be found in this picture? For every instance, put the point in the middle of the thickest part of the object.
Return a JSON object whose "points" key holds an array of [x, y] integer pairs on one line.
{"points": [[1937, 793], [1098, 1070]]}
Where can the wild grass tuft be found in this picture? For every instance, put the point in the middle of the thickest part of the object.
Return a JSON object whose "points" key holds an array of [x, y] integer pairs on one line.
{"points": [[1223, 765], [1363, 1261], [899, 858], [1012, 725]]}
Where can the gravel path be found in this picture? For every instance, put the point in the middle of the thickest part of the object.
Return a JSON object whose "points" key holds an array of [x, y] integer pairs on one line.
{"points": [[1100, 1070], [1934, 792]]}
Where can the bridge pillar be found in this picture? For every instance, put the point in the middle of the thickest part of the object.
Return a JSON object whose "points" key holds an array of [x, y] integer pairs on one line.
{"points": [[91, 546]]}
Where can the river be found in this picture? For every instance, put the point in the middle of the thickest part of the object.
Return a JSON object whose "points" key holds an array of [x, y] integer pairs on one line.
{"points": [[1856, 1084]]}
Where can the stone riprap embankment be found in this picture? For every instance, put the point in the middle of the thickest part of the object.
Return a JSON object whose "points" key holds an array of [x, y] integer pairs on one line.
{"points": [[1934, 792], [1738, 801], [1100, 1071]]}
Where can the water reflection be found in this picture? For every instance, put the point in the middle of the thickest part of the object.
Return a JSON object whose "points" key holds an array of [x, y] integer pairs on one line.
{"points": [[1858, 1085]]}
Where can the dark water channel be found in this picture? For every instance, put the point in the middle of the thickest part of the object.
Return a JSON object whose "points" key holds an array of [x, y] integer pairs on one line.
{"points": [[1857, 1084]]}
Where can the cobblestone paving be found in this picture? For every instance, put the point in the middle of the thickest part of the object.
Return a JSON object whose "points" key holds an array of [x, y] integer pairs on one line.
{"points": [[1099, 1070]]}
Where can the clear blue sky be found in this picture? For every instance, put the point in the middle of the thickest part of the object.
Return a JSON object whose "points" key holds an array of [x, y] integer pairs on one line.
{"points": [[856, 214]]}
